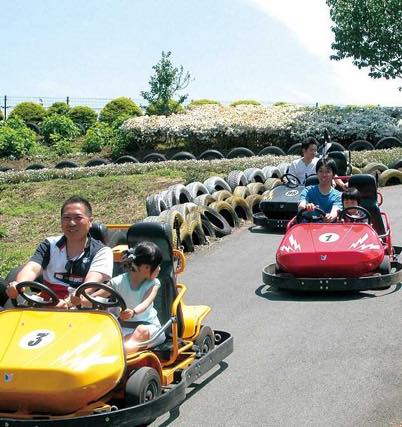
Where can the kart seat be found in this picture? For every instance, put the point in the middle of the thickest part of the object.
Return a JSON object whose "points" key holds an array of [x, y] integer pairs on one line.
{"points": [[98, 231], [311, 180], [161, 235], [367, 186], [341, 161]]}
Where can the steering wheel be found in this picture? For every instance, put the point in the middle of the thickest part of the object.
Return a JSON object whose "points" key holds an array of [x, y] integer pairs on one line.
{"points": [[308, 216], [365, 214], [35, 300], [114, 300], [292, 181]]}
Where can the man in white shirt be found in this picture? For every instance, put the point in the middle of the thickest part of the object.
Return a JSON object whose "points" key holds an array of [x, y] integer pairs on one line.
{"points": [[304, 167]]}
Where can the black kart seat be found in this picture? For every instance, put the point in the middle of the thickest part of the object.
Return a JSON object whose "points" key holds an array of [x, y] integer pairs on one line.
{"points": [[98, 231], [341, 161], [367, 186], [160, 234], [311, 180]]}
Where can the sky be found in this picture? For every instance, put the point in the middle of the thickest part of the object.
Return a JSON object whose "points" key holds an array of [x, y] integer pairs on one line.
{"points": [[267, 50]]}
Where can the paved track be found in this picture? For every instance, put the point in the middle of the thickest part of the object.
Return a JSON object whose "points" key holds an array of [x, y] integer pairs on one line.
{"points": [[299, 360]]}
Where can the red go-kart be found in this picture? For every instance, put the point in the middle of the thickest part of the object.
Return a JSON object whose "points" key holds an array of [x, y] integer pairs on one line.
{"points": [[355, 253]]}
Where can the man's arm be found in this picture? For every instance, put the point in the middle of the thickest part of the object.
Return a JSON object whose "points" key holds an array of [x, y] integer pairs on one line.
{"points": [[101, 268], [31, 271]]}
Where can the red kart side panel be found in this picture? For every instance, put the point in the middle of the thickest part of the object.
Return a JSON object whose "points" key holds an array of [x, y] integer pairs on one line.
{"points": [[330, 250]]}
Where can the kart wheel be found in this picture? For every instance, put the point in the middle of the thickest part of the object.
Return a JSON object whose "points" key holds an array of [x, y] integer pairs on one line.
{"points": [[142, 386], [205, 341], [385, 266]]}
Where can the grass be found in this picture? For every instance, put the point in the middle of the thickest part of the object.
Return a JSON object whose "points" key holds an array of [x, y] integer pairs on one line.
{"points": [[30, 212]]}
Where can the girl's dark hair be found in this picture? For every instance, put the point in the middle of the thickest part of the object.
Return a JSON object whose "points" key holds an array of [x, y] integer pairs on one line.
{"points": [[328, 163], [143, 253], [351, 193]]}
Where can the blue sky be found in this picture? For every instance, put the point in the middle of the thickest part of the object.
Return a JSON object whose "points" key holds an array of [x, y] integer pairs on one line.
{"points": [[269, 50]]}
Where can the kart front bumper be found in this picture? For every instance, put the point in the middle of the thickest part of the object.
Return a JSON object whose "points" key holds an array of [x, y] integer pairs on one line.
{"points": [[171, 397], [271, 224], [330, 284]]}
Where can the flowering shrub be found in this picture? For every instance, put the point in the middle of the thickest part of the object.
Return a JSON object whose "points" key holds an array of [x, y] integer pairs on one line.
{"points": [[215, 126], [15, 138]]}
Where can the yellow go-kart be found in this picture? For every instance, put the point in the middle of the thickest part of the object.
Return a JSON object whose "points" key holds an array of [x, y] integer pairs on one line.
{"points": [[68, 367]]}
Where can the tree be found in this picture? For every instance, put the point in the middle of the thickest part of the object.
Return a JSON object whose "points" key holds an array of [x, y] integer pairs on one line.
{"points": [[370, 32], [164, 85]]}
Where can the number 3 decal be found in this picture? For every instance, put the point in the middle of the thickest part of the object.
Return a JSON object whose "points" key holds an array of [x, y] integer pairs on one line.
{"points": [[37, 339]]}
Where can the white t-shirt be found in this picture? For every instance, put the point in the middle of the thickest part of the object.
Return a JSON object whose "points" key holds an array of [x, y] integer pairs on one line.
{"points": [[301, 170]]}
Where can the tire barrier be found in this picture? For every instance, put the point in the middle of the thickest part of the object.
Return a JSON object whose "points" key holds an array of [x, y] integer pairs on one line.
{"points": [[295, 149], [241, 207], [197, 233], [271, 183], [216, 183], [35, 166], [155, 204], [254, 175], [226, 210], [283, 168], [179, 194], [256, 188], [253, 201], [154, 157], [197, 189], [219, 224], [240, 152], [211, 155], [361, 145], [126, 159], [374, 167], [396, 164], [221, 195], [208, 228], [388, 142], [96, 162], [356, 170], [204, 200], [241, 191], [390, 177], [236, 178], [183, 155], [66, 164], [271, 172], [275, 151], [173, 217]]}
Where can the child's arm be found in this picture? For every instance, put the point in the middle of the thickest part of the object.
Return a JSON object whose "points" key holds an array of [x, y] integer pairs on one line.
{"points": [[143, 305]]}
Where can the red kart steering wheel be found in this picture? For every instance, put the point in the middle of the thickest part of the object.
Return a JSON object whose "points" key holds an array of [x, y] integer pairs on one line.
{"points": [[114, 300], [35, 300], [365, 214], [308, 216]]}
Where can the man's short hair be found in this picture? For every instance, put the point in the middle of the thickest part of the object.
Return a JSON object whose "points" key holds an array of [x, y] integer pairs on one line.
{"points": [[328, 163], [309, 141], [77, 199], [352, 193]]}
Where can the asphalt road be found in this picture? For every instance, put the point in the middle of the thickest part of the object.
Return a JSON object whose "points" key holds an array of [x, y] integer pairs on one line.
{"points": [[299, 360]]}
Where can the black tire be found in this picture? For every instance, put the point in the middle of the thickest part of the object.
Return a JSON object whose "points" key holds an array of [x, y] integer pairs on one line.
{"points": [[5, 169], [35, 166], [3, 295], [295, 149], [385, 266], [361, 145], [126, 159], [183, 155], [396, 164], [115, 238], [66, 164], [275, 151], [208, 229], [34, 127], [96, 162], [227, 211], [335, 146], [217, 221], [240, 152], [388, 142], [180, 194], [142, 386], [236, 178], [196, 189], [154, 157], [205, 342], [211, 155], [155, 204]]}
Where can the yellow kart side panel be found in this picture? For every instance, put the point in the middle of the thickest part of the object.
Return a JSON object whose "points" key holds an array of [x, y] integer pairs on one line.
{"points": [[193, 316], [57, 361]]}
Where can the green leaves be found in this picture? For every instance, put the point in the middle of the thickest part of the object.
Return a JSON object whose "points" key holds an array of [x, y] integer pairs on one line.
{"points": [[369, 32]]}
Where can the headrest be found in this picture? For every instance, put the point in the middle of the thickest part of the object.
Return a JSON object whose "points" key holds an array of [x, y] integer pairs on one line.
{"points": [[311, 180], [341, 161], [366, 184], [98, 231]]}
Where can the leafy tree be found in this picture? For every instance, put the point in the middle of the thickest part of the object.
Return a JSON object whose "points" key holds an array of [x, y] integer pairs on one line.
{"points": [[58, 108], [118, 107], [84, 117], [29, 112], [369, 32], [164, 85]]}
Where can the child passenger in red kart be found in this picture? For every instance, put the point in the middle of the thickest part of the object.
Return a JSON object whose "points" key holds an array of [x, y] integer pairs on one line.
{"points": [[138, 287], [323, 195], [350, 199]]}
